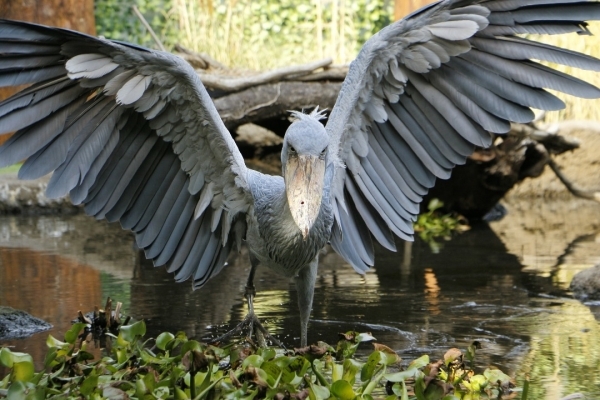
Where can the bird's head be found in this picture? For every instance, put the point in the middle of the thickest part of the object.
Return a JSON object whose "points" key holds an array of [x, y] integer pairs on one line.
{"points": [[304, 159]]}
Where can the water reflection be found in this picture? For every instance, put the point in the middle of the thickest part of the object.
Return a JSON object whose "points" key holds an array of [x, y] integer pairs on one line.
{"points": [[503, 286]]}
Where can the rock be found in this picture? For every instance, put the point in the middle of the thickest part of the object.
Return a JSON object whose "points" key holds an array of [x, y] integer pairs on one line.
{"points": [[16, 323], [586, 284]]}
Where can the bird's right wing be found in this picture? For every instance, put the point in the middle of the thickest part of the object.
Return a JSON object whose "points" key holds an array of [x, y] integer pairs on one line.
{"points": [[427, 89], [133, 135]]}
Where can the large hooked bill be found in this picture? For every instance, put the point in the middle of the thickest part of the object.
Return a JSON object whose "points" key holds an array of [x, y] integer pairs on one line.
{"points": [[305, 176]]}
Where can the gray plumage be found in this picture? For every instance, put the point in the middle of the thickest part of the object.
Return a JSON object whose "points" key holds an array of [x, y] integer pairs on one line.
{"points": [[133, 135]]}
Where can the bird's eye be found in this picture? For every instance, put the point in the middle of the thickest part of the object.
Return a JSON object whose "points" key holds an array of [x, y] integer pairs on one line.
{"points": [[323, 153], [292, 150]]}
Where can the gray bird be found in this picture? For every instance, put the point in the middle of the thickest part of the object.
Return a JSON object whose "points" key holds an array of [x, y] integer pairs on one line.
{"points": [[132, 134]]}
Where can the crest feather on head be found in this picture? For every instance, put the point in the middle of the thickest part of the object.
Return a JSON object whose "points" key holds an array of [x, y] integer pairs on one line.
{"points": [[314, 114]]}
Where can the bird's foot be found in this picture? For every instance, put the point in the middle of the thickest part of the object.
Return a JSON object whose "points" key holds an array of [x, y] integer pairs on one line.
{"points": [[253, 326]]}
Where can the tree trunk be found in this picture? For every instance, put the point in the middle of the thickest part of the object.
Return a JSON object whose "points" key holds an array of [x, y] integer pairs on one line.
{"points": [[403, 7], [77, 15]]}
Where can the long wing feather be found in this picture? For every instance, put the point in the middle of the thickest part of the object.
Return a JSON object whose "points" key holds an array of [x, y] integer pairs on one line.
{"points": [[130, 133], [426, 90]]}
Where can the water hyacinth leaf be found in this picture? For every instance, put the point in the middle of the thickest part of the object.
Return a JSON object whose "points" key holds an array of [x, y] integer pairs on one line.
{"points": [[163, 340], [351, 368], [475, 383], [22, 370], [368, 369], [337, 371], [49, 360], [389, 356], [140, 389], [161, 392], [319, 392], [419, 362], [495, 375], [342, 390], [180, 394], [399, 389], [434, 391], [402, 375], [317, 367], [54, 342], [25, 391], [273, 371], [6, 358], [254, 360], [149, 358], [267, 353], [73, 333], [130, 332], [191, 345], [89, 384]]}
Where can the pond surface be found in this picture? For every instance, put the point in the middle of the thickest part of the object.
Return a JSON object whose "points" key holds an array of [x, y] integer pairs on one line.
{"points": [[505, 285]]}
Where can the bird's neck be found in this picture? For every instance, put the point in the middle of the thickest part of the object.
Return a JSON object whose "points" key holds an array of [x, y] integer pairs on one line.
{"points": [[283, 239]]}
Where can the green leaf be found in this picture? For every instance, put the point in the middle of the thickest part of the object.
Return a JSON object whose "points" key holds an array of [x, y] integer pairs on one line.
{"points": [[22, 371], [351, 368], [419, 362], [53, 342], [130, 332], [495, 375], [163, 339], [89, 384], [267, 354], [6, 358], [73, 333], [254, 360], [402, 375], [369, 368], [319, 391], [342, 390], [433, 391]]}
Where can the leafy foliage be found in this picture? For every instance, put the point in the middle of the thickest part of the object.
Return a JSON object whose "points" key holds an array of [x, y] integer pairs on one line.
{"points": [[174, 367], [432, 225], [255, 34], [116, 20]]}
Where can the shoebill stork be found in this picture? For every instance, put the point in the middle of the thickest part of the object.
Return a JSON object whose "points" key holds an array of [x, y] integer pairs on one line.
{"points": [[133, 135]]}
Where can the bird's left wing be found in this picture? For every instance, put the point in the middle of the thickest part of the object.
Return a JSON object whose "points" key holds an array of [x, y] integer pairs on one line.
{"points": [[427, 89], [132, 134]]}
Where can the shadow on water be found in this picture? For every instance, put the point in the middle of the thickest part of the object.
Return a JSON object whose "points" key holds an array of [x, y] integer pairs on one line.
{"points": [[482, 285]]}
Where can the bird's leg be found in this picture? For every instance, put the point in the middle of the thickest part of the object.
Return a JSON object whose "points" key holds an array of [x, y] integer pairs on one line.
{"points": [[305, 286], [251, 321]]}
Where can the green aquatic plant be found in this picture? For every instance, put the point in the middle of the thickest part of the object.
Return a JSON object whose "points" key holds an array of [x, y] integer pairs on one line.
{"points": [[171, 366], [433, 225]]}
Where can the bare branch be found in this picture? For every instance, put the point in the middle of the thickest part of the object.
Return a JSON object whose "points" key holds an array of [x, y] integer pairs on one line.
{"points": [[147, 25], [198, 60], [572, 186], [236, 84]]}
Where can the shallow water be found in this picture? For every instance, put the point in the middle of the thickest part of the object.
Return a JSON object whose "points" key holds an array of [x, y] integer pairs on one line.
{"points": [[505, 286]]}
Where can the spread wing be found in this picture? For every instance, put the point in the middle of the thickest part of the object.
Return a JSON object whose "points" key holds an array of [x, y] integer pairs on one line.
{"points": [[132, 134], [427, 89]]}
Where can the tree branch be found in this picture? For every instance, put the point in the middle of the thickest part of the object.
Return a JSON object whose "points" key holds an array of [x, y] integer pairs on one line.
{"points": [[236, 84]]}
